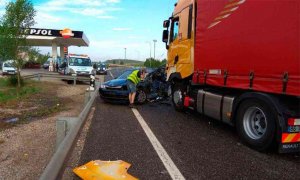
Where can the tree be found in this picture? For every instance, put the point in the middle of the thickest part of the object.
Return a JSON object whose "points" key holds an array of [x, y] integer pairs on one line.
{"points": [[164, 62], [33, 54], [43, 58], [18, 17], [151, 62]]}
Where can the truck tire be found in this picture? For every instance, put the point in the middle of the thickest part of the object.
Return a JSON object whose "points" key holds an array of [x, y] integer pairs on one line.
{"points": [[256, 124], [178, 96]]}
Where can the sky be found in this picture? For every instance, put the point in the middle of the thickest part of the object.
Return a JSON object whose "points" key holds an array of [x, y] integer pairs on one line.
{"points": [[110, 25]]}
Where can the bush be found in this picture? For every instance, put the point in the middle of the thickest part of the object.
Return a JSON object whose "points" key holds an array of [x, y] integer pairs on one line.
{"points": [[13, 81]]}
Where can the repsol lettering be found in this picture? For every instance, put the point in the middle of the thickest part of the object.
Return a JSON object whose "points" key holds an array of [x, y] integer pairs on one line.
{"points": [[42, 32]]}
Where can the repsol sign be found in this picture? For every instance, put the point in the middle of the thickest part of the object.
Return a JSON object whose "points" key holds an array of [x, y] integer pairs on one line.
{"points": [[54, 32], [41, 32]]}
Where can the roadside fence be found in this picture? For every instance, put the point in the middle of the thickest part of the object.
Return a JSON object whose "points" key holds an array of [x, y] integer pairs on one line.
{"points": [[69, 78]]}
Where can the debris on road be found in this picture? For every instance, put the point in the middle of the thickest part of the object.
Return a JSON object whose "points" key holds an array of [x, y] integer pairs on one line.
{"points": [[110, 170]]}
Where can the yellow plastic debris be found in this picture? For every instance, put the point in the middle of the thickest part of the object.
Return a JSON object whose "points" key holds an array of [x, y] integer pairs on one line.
{"points": [[104, 170]]}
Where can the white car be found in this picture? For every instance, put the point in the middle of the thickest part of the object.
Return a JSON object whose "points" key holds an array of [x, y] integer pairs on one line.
{"points": [[8, 68]]}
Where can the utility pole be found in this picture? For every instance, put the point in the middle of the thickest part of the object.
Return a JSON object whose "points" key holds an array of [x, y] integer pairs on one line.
{"points": [[149, 42], [154, 41], [125, 53]]}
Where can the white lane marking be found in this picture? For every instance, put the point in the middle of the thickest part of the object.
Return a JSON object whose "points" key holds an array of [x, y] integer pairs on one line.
{"points": [[111, 74], [163, 155]]}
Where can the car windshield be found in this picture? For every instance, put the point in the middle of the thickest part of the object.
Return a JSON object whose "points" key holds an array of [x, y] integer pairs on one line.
{"points": [[74, 61], [125, 74], [8, 64]]}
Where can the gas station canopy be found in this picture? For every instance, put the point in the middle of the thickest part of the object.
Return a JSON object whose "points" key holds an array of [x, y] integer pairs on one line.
{"points": [[56, 38], [48, 37]]}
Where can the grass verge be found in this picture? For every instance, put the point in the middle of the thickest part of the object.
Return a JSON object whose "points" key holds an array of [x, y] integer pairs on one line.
{"points": [[8, 93]]}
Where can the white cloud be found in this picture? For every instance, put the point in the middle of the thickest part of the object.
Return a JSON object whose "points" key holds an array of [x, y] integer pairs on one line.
{"points": [[100, 9], [113, 1], [122, 29], [105, 17], [47, 18], [3, 3], [89, 11], [2, 12]]}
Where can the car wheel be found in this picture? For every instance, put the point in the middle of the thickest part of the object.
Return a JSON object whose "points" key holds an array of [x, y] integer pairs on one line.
{"points": [[141, 96], [256, 124]]}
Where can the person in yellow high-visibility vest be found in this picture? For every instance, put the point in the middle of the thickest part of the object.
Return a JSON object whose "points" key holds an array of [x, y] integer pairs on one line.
{"points": [[132, 80]]}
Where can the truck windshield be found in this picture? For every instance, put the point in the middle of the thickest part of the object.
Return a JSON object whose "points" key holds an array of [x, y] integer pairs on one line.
{"points": [[74, 61], [175, 29]]}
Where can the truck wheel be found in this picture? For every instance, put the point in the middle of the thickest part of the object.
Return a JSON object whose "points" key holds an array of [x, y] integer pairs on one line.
{"points": [[178, 97], [256, 124]]}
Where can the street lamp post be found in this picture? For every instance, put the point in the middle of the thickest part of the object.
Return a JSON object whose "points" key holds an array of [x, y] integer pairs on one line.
{"points": [[150, 51], [125, 53], [154, 41]]}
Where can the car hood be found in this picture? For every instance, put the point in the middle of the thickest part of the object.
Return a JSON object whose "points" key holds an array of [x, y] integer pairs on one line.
{"points": [[116, 82]]}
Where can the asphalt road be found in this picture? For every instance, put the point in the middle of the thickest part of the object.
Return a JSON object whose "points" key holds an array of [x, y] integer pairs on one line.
{"points": [[200, 147]]}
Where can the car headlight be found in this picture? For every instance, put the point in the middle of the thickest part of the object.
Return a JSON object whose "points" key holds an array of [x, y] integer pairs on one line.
{"points": [[103, 86], [117, 87]]}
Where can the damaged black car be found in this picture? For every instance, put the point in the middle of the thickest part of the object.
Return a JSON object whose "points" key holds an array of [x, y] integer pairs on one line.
{"points": [[153, 87]]}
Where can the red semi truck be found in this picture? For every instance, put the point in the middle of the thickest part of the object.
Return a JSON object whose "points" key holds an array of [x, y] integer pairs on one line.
{"points": [[238, 61]]}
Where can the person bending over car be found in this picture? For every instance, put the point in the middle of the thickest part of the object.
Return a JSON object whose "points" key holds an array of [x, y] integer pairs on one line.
{"points": [[133, 79]]}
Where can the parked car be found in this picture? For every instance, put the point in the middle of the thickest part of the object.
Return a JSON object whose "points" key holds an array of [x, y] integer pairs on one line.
{"points": [[8, 68], [46, 64], [153, 86], [101, 69]]}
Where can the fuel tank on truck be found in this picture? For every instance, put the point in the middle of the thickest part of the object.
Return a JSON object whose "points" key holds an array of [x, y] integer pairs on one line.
{"points": [[248, 44]]}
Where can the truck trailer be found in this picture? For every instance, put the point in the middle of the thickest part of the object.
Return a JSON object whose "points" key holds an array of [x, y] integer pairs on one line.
{"points": [[238, 61]]}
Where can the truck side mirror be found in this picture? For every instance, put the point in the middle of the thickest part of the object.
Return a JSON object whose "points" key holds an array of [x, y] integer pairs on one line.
{"points": [[166, 24], [165, 36]]}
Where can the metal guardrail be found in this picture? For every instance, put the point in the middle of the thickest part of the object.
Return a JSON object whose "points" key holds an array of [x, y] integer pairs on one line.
{"points": [[38, 76], [54, 168]]}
